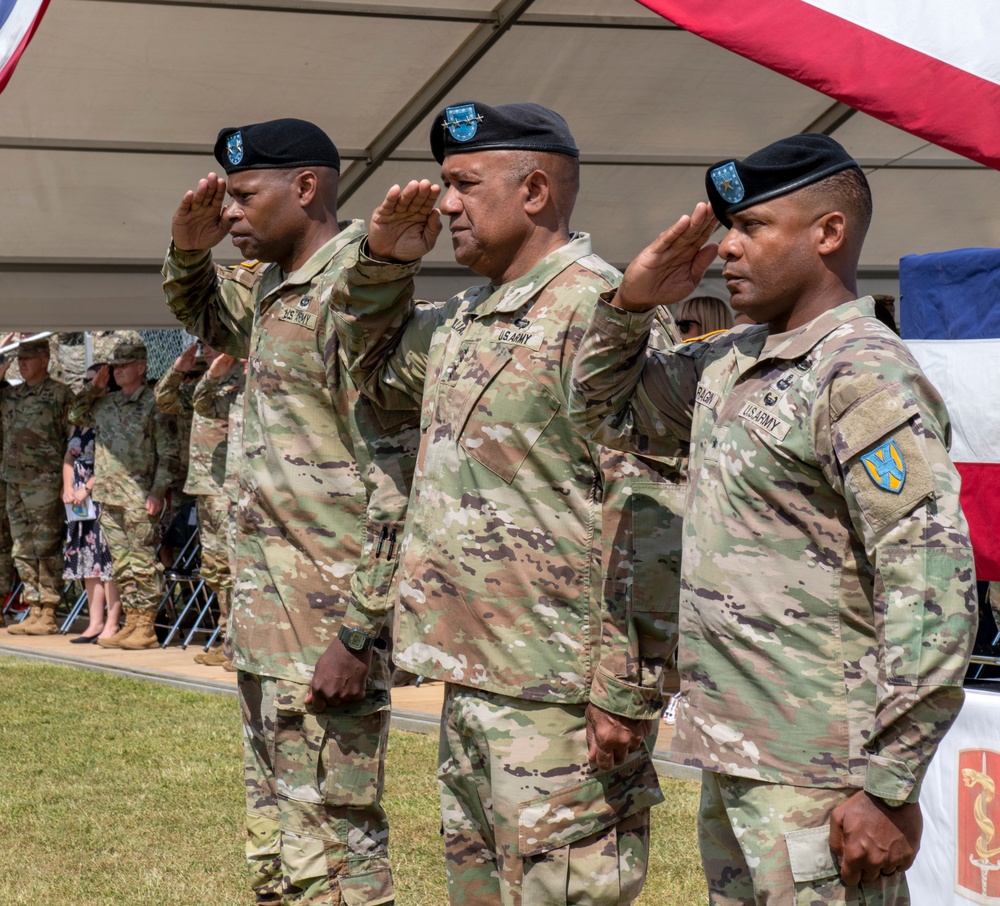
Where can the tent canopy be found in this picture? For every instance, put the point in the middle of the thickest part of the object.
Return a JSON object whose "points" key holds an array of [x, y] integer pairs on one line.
{"points": [[113, 111]]}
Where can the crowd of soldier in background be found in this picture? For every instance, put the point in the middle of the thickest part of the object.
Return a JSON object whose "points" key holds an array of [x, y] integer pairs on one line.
{"points": [[106, 478]]}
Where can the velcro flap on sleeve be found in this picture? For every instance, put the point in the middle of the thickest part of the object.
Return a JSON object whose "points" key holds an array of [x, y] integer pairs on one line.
{"points": [[868, 410], [584, 809]]}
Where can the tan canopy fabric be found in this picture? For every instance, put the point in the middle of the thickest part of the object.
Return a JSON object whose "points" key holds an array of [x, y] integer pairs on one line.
{"points": [[115, 106]]}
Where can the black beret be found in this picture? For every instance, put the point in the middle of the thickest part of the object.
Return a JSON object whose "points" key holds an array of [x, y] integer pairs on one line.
{"points": [[275, 145], [471, 126], [785, 166]]}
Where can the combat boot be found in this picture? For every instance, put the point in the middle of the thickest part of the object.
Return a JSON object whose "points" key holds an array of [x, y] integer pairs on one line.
{"points": [[46, 622], [116, 640], [216, 657], [144, 633], [22, 628]]}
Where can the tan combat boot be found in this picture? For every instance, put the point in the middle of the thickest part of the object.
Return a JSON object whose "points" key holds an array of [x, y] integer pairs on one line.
{"points": [[116, 640], [215, 657], [144, 634], [46, 622], [22, 628]]}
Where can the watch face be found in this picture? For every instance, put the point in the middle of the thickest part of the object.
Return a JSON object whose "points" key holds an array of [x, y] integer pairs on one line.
{"points": [[355, 639]]}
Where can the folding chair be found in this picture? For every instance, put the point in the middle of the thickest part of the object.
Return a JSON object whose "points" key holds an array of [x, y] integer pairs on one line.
{"points": [[8, 607], [211, 627], [75, 609], [990, 658], [175, 604]]}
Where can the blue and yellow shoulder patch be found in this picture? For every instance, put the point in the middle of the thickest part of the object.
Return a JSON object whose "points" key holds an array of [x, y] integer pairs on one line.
{"points": [[885, 466]]}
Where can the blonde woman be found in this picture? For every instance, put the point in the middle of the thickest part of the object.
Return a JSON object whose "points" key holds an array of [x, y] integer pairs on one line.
{"points": [[702, 315]]}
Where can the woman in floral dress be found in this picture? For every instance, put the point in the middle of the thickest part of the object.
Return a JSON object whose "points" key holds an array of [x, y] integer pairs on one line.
{"points": [[86, 556]]}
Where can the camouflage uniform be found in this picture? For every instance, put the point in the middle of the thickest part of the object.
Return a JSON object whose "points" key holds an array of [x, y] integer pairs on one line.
{"points": [[827, 613], [501, 582], [6, 544], [643, 514], [35, 430], [206, 473], [321, 491], [234, 462], [137, 457], [175, 526]]}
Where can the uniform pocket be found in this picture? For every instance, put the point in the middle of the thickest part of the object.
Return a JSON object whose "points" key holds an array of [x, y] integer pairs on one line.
{"points": [[657, 518], [809, 854], [507, 417], [577, 812]]}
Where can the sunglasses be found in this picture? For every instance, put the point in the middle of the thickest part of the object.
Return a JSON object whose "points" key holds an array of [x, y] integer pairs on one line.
{"points": [[685, 324]]}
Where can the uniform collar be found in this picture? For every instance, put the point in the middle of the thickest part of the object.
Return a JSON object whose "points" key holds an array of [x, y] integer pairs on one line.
{"points": [[794, 344], [513, 296], [124, 397], [273, 278], [25, 390]]}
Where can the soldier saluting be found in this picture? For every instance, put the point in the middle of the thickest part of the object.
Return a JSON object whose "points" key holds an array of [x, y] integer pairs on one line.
{"points": [[319, 487], [828, 602]]}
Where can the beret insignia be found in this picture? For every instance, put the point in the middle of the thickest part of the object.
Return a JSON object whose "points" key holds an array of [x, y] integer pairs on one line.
{"points": [[234, 147], [462, 122], [727, 181]]}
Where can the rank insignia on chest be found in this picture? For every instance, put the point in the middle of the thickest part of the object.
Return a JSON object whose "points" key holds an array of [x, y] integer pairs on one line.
{"points": [[886, 467]]}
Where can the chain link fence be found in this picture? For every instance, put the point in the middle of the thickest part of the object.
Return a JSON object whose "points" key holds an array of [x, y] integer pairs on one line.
{"points": [[68, 360]]}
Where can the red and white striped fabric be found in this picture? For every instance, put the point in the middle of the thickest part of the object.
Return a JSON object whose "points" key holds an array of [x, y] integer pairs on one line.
{"points": [[929, 67], [950, 309], [18, 21]]}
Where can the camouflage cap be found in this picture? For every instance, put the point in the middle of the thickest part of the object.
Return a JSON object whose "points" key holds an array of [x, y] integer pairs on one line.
{"points": [[129, 347], [31, 348]]}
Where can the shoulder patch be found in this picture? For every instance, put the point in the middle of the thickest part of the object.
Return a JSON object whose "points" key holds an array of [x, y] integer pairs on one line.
{"points": [[876, 441], [886, 466]]}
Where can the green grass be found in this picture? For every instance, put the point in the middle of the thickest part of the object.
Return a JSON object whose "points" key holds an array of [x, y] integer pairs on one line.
{"points": [[116, 791]]}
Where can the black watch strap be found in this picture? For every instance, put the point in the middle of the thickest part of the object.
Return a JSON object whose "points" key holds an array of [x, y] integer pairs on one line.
{"points": [[356, 640]]}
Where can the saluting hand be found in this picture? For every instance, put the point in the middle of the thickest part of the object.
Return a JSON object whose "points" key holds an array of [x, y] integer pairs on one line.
{"points": [[198, 224], [5, 366], [672, 265], [221, 365], [186, 360], [406, 225], [102, 378]]}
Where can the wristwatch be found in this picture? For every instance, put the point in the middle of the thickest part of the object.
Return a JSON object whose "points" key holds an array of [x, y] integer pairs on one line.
{"points": [[356, 640], [893, 803]]}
